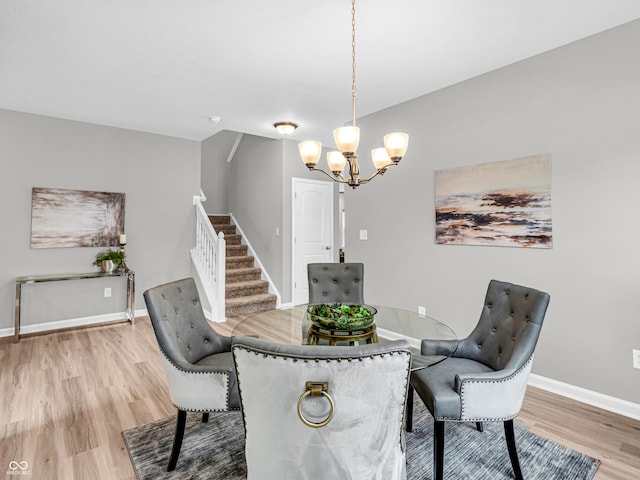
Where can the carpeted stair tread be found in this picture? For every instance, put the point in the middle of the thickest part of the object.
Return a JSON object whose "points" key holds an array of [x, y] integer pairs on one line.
{"points": [[263, 297], [236, 250], [220, 219], [242, 274], [233, 239], [236, 262], [250, 308], [250, 304], [226, 229], [250, 287], [249, 283]]}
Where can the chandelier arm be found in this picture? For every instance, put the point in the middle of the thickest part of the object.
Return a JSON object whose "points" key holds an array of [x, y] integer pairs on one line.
{"points": [[378, 172], [338, 178]]}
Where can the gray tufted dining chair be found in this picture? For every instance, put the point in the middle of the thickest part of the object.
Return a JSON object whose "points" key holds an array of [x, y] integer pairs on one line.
{"points": [[486, 377], [336, 283], [197, 361], [347, 423]]}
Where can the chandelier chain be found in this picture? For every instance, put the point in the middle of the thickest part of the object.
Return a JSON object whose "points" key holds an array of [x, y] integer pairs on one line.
{"points": [[353, 61], [348, 138]]}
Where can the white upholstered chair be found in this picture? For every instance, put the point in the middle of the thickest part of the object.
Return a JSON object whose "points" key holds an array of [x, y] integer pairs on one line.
{"points": [[349, 429]]}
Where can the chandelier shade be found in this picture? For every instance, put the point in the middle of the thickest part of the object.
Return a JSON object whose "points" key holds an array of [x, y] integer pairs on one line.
{"points": [[336, 162], [380, 158], [310, 152], [396, 145], [347, 140]]}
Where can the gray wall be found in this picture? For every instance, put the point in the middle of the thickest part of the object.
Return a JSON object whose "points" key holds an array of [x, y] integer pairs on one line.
{"points": [[581, 104], [159, 176], [215, 171], [255, 199]]}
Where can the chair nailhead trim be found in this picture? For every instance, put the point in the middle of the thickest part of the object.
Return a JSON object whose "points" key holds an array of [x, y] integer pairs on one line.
{"points": [[317, 360], [471, 381]]}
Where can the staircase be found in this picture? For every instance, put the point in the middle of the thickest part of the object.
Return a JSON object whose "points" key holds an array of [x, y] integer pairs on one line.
{"points": [[245, 291]]}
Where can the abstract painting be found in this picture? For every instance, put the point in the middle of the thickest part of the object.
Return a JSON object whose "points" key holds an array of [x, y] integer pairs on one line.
{"points": [[506, 203], [75, 218]]}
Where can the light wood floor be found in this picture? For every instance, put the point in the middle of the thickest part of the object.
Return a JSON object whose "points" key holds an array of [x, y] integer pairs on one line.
{"points": [[66, 397]]}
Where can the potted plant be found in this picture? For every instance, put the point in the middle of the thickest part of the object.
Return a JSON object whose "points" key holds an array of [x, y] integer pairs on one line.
{"points": [[108, 260]]}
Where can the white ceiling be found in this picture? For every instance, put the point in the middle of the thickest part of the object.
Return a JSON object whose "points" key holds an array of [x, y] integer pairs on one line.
{"points": [[167, 66]]}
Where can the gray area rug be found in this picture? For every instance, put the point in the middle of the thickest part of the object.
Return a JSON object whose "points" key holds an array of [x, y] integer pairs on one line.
{"points": [[215, 450]]}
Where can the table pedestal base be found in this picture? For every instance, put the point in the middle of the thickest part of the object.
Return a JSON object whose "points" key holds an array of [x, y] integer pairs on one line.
{"points": [[366, 335]]}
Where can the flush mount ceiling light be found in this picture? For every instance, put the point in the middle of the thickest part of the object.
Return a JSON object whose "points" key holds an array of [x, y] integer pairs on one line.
{"points": [[348, 138], [285, 128]]}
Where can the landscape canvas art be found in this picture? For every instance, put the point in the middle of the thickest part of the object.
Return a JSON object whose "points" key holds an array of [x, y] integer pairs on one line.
{"points": [[75, 218], [505, 203]]}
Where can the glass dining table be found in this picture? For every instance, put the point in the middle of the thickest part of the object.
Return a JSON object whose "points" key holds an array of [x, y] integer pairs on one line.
{"points": [[292, 326]]}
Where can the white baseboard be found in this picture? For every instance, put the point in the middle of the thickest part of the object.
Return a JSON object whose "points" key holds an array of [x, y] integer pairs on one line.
{"points": [[599, 400], [74, 322], [6, 332], [208, 314], [388, 334]]}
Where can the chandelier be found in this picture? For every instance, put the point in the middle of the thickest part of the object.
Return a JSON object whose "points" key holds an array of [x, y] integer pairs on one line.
{"points": [[348, 138]]}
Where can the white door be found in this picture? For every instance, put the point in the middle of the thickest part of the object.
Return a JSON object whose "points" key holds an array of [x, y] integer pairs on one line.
{"points": [[312, 231]]}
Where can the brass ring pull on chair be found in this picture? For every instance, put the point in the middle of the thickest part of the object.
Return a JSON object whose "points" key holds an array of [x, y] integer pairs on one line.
{"points": [[316, 389]]}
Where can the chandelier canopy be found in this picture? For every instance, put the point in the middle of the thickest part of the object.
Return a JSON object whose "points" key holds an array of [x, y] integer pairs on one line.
{"points": [[347, 139]]}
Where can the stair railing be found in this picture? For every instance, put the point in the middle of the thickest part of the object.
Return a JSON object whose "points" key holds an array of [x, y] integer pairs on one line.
{"points": [[208, 257]]}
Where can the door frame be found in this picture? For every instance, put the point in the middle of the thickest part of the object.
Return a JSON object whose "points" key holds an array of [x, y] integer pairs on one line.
{"points": [[294, 182]]}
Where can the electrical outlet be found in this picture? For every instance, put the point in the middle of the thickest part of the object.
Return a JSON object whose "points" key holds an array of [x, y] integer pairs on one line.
{"points": [[422, 312], [363, 234], [107, 292], [636, 358]]}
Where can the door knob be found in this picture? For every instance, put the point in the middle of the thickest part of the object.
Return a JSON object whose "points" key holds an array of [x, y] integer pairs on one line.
{"points": [[327, 247]]}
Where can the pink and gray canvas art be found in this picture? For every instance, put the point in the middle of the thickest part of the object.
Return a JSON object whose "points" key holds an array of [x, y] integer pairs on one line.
{"points": [[75, 218], [506, 203]]}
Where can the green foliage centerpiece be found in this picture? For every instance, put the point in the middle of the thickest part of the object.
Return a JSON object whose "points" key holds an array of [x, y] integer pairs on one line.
{"points": [[339, 316]]}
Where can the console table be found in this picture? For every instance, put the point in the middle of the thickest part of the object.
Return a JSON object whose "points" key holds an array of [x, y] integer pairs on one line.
{"points": [[129, 275]]}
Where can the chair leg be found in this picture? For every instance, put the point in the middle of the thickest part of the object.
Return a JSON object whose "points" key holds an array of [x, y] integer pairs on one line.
{"points": [[480, 426], [438, 450], [513, 452], [205, 417], [409, 412], [177, 440]]}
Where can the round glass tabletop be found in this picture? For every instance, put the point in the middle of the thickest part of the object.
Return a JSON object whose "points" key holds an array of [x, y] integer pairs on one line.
{"points": [[291, 326]]}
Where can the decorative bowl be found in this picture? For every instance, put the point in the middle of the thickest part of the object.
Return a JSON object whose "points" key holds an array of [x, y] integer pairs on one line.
{"points": [[339, 316]]}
